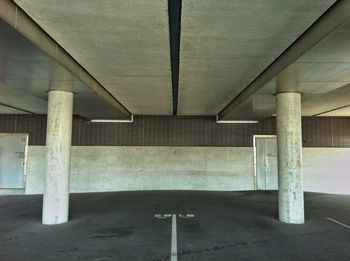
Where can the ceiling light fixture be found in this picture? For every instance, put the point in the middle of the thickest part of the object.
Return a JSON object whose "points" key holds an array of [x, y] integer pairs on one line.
{"points": [[235, 121]]}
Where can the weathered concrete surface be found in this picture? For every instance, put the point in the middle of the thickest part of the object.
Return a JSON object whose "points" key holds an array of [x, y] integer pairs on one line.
{"points": [[226, 44], [12, 192], [289, 147], [146, 168], [27, 73], [338, 98], [325, 169], [132, 38], [58, 140]]}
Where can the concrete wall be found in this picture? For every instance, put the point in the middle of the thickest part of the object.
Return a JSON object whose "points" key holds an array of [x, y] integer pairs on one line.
{"points": [[327, 170], [193, 168], [149, 168]]}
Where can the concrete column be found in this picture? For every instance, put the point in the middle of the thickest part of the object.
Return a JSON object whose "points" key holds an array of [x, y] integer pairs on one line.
{"points": [[289, 144], [58, 145]]}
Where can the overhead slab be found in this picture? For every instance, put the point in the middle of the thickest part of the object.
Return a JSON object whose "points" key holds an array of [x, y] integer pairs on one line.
{"points": [[123, 44], [322, 75], [27, 74], [226, 44]]}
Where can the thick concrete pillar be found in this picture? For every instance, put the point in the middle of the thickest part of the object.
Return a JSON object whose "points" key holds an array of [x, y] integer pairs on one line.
{"points": [[289, 143], [58, 145]]}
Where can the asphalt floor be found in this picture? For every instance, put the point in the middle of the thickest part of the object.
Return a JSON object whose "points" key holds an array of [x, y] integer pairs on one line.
{"points": [[225, 226]]}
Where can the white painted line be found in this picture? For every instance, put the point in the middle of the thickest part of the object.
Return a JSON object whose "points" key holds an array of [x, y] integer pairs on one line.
{"points": [[173, 239], [162, 215], [173, 253], [339, 223], [186, 215]]}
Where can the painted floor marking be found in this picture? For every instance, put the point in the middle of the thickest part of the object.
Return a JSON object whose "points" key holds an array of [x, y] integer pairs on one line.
{"points": [[337, 222], [173, 239], [173, 253], [161, 216], [186, 215]]}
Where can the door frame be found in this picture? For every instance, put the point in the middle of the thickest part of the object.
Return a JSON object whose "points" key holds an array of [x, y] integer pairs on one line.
{"points": [[25, 160], [254, 159]]}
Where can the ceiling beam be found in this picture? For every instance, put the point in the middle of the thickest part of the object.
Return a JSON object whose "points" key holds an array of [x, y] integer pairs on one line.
{"points": [[16, 108], [174, 9], [315, 105], [328, 22], [21, 22], [332, 110], [22, 101]]}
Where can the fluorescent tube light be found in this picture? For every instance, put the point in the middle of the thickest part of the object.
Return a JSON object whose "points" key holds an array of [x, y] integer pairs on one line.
{"points": [[235, 121]]}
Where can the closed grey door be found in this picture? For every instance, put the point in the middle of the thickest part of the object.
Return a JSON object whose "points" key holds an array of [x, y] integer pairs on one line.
{"points": [[266, 163], [12, 160]]}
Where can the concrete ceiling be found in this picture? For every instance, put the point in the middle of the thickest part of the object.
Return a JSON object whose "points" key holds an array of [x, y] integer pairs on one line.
{"points": [[342, 112], [224, 46], [123, 44], [9, 110], [328, 103], [322, 75], [227, 44], [27, 74]]}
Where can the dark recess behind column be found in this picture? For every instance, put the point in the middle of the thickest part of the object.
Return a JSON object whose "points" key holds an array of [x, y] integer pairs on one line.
{"points": [[174, 9]]}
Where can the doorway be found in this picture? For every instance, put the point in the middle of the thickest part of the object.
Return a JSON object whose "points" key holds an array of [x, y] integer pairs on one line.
{"points": [[13, 155], [265, 162]]}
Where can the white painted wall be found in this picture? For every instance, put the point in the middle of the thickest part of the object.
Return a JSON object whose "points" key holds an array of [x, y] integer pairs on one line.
{"points": [[327, 170], [149, 168], [95, 169]]}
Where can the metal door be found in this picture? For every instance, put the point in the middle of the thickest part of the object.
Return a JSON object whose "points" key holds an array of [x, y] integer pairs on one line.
{"points": [[266, 163], [12, 160]]}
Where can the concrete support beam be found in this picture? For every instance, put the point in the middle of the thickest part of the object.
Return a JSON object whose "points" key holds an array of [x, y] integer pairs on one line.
{"points": [[21, 22], [289, 145], [335, 16], [58, 146]]}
